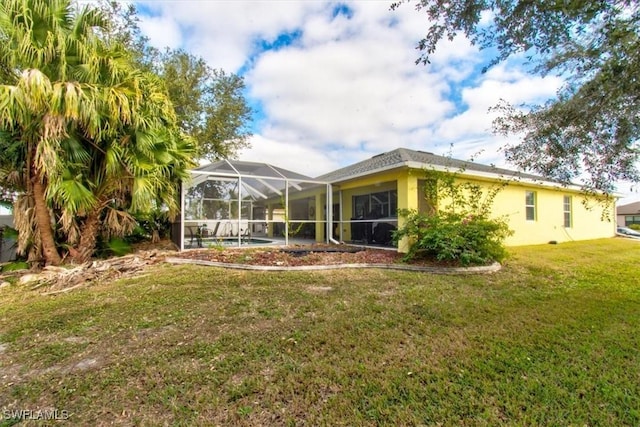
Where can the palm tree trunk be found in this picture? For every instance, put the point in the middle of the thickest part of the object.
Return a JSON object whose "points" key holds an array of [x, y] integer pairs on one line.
{"points": [[88, 236], [43, 219]]}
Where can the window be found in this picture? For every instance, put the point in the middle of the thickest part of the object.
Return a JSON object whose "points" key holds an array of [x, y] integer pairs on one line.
{"points": [[631, 219], [567, 211], [376, 205], [530, 205], [360, 206]]}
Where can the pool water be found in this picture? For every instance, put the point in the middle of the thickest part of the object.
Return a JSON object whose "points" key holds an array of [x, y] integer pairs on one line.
{"points": [[227, 241]]}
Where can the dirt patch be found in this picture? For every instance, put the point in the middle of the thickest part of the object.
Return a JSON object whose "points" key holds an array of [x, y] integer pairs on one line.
{"points": [[75, 340], [319, 289], [85, 364], [303, 255]]}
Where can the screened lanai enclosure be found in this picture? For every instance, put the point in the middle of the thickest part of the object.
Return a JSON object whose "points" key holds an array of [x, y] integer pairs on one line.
{"points": [[238, 203]]}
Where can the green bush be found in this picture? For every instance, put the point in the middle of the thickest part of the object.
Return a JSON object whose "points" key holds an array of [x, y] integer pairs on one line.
{"points": [[115, 246], [635, 227], [150, 226], [15, 266], [458, 227], [447, 236]]}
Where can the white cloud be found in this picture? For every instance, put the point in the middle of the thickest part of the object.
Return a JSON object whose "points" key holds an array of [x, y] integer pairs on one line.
{"points": [[470, 130], [294, 157], [335, 93], [348, 87], [163, 31], [224, 32], [349, 82]]}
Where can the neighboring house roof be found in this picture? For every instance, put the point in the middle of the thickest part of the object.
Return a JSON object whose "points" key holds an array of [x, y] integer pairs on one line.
{"points": [[630, 209], [403, 157]]}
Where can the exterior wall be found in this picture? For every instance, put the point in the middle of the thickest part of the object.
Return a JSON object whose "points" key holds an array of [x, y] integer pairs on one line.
{"points": [[587, 216], [319, 215], [6, 220], [407, 199]]}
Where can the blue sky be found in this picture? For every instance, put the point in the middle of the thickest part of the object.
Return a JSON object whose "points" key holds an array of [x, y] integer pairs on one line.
{"points": [[332, 83]]}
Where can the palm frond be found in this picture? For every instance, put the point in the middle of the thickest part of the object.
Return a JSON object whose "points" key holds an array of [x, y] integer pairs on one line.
{"points": [[72, 194], [118, 223]]}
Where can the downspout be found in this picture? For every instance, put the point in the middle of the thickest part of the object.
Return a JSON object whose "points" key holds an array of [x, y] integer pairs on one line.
{"points": [[239, 210], [182, 215], [330, 216], [286, 212]]}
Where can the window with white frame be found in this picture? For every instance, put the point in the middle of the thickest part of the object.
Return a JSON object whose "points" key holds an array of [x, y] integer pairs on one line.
{"points": [[567, 211], [530, 205]]}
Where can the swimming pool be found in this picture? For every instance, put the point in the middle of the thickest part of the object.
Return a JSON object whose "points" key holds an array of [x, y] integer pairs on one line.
{"points": [[233, 241], [207, 242]]}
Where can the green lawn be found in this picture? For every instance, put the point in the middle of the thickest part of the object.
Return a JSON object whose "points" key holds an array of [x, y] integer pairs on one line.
{"points": [[552, 339]]}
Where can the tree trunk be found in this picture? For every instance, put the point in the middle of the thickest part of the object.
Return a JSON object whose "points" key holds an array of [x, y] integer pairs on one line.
{"points": [[43, 219], [88, 236]]}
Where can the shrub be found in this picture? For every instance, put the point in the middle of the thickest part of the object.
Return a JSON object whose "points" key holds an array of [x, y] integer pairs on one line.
{"points": [[458, 227], [115, 246], [15, 266], [151, 226], [448, 236], [634, 227]]}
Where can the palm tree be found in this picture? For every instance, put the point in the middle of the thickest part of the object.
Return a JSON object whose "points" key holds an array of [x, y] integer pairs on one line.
{"points": [[35, 44], [98, 137]]}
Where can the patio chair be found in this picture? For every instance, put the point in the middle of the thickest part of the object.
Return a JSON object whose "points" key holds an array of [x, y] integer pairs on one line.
{"points": [[195, 234]]}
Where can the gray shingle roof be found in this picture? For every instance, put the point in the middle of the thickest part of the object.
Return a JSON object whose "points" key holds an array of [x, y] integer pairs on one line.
{"points": [[402, 157], [629, 209]]}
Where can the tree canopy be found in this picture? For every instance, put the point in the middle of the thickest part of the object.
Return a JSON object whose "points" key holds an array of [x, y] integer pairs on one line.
{"points": [[97, 126], [209, 103], [590, 130], [88, 138]]}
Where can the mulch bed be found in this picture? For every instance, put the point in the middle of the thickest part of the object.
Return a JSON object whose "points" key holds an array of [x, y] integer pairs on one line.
{"points": [[53, 280], [302, 255]]}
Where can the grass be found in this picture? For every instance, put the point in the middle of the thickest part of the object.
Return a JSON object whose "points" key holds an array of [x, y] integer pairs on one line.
{"points": [[552, 339]]}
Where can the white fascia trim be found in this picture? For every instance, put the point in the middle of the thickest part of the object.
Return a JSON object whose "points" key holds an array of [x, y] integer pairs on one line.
{"points": [[479, 174], [498, 176]]}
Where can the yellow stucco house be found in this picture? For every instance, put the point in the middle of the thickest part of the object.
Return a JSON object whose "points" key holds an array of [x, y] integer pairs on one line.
{"points": [[243, 203]]}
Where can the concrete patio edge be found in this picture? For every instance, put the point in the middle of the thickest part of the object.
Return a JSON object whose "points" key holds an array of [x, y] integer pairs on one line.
{"points": [[435, 270]]}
